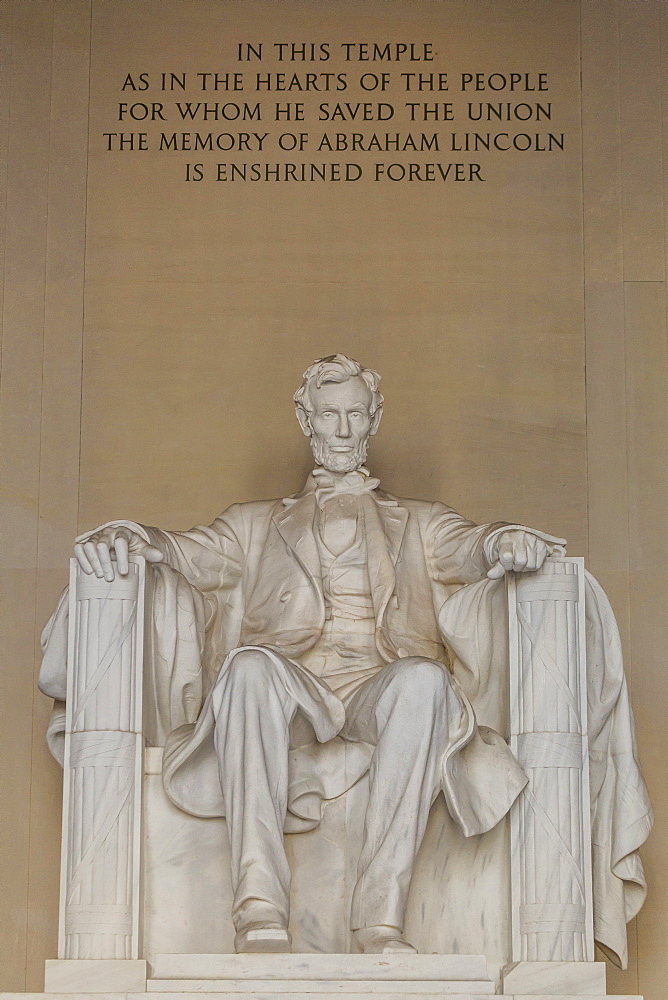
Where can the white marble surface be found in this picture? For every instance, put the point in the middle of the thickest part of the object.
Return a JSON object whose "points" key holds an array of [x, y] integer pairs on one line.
{"points": [[321, 967], [548, 978], [186, 874], [267, 994], [91, 976], [346, 988], [552, 908], [99, 915]]}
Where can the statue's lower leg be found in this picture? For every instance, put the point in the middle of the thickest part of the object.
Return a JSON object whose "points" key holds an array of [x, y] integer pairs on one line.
{"points": [[411, 734], [253, 713]]}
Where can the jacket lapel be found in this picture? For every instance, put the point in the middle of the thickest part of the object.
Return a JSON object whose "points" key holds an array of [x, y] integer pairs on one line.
{"points": [[393, 519], [385, 527], [295, 524]]}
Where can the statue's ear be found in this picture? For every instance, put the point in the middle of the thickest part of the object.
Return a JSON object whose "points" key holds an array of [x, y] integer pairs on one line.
{"points": [[303, 418], [375, 420]]}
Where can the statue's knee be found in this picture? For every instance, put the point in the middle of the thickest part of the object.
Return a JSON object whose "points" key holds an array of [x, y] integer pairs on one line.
{"points": [[420, 676], [250, 668]]}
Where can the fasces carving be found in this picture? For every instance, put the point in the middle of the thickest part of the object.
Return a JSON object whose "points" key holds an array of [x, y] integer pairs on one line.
{"points": [[99, 912], [297, 644], [551, 834]]}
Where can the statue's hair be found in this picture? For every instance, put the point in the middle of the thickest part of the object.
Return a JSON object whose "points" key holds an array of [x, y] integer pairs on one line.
{"points": [[336, 368]]}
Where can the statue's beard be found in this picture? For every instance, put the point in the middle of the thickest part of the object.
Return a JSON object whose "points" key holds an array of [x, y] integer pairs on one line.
{"points": [[339, 461]]}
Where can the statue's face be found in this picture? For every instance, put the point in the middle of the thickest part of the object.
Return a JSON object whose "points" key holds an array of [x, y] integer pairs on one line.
{"points": [[340, 424]]}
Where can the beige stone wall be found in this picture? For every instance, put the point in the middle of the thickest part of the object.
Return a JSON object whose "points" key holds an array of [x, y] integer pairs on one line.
{"points": [[154, 332], [623, 81]]}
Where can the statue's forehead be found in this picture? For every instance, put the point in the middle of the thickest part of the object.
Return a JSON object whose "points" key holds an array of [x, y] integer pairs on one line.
{"points": [[354, 391]]}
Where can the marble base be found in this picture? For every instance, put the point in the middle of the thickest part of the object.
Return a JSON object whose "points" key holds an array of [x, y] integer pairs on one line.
{"points": [[320, 988], [324, 975], [550, 978], [390, 977], [95, 975], [352, 968], [267, 991]]}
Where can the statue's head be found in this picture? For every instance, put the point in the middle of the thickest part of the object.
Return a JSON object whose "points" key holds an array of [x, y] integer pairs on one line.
{"points": [[339, 407]]}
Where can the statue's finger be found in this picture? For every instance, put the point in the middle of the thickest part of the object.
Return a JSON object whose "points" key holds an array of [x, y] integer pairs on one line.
{"points": [[105, 561], [91, 551], [152, 554], [496, 571], [122, 551], [539, 553], [506, 554], [82, 558], [529, 549], [520, 560]]}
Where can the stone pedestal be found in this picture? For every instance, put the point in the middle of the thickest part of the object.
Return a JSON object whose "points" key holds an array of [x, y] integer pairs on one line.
{"points": [[91, 975], [355, 977], [550, 978], [350, 975]]}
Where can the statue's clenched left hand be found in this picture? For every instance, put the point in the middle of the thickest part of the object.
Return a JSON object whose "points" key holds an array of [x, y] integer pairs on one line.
{"points": [[94, 552], [521, 551]]}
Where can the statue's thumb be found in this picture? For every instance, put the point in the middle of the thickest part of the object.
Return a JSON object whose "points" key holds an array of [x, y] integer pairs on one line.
{"points": [[151, 554]]}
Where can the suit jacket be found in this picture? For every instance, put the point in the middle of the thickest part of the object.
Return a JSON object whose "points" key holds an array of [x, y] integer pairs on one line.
{"points": [[259, 569]]}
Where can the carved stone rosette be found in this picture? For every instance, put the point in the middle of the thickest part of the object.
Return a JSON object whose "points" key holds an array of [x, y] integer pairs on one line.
{"points": [[550, 823], [100, 867]]}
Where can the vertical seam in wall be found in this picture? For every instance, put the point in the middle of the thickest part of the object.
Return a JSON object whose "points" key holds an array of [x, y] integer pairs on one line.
{"points": [[7, 17], [584, 279], [38, 506], [85, 260], [629, 674], [627, 441], [644, 963], [663, 65], [5, 72]]}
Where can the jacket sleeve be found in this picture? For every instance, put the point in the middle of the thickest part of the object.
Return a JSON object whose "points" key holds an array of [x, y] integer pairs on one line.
{"points": [[210, 558], [459, 551]]}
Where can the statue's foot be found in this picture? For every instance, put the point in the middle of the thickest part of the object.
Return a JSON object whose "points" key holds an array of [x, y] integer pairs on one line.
{"points": [[265, 937], [382, 940]]}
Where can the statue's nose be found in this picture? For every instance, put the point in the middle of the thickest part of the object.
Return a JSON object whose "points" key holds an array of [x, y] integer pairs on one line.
{"points": [[343, 430]]}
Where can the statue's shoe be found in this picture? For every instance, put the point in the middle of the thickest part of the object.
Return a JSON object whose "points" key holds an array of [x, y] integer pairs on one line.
{"points": [[263, 937], [382, 940]]}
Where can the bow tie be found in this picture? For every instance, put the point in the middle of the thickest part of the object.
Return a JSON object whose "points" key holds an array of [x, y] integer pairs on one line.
{"points": [[330, 485], [325, 485]]}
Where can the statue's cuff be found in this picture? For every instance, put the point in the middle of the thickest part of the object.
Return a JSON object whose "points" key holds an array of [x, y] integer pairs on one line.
{"points": [[488, 546], [138, 529]]}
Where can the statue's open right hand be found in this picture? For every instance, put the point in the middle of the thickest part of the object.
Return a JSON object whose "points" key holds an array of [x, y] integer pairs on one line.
{"points": [[94, 553]]}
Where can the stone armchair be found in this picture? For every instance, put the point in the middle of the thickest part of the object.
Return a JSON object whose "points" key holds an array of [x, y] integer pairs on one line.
{"points": [[144, 886]]}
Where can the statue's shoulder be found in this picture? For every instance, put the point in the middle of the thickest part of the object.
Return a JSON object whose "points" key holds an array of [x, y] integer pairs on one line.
{"points": [[416, 508], [427, 516], [251, 510]]}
